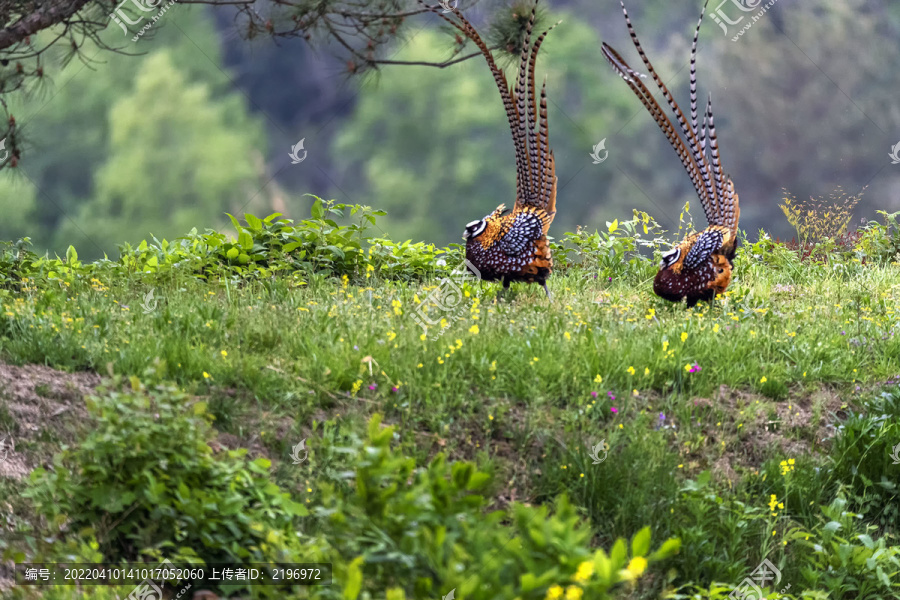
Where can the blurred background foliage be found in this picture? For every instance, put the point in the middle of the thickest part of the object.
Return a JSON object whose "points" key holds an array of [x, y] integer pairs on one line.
{"points": [[200, 122]]}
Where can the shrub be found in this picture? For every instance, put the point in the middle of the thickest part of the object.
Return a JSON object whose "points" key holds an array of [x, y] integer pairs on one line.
{"points": [[424, 531], [845, 560], [880, 242], [144, 481]]}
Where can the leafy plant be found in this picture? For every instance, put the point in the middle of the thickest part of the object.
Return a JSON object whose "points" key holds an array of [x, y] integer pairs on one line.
{"points": [[616, 251], [145, 481], [845, 560], [16, 263], [880, 242], [425, 530]]}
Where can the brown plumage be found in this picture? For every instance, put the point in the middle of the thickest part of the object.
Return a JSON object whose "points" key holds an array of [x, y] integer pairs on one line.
{"points": [[512, 245], [700, 266]]}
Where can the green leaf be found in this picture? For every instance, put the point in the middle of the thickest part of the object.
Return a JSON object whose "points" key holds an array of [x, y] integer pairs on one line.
{"points": [[832, 526], [245, 240], [253, 222], [353, 583], [640, 543], [617, 554], [71, 255], [234, 222], [668, 548], [317, 211]]}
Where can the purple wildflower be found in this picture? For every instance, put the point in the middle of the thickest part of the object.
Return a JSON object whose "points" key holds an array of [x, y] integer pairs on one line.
{"points": [[613, 409], [373, 387], [593, 394]]}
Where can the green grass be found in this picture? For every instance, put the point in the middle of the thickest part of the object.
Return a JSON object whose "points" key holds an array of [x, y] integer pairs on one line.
{"points": [[525, 387]]}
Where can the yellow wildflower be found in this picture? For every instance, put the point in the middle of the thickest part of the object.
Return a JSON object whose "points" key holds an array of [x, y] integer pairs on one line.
{"points": [[573, 592], [636, 567], [584, 572]]}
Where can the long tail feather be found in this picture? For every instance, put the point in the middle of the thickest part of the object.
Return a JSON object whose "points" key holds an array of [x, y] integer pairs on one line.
{"points": [[519, 140], [535, 167], [540, 130], [548, 168], [708, 195], [716, 164], [525, 108], [633, 79]]}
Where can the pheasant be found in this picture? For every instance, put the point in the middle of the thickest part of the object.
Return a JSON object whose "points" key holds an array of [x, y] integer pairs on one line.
{"points": [[512, 245], [700, 266]]}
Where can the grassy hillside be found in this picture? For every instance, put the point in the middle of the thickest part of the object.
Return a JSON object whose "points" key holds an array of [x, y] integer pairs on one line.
{"points": [[500, 452]]}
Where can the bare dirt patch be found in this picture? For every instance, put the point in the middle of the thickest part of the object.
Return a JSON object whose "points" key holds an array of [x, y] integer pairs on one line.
{"points": [[753, 428], [39, 408]]}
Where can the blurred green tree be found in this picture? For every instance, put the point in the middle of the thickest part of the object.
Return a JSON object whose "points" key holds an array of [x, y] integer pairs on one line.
{"points": [[18, 206], [176, 159], [67, 125]]}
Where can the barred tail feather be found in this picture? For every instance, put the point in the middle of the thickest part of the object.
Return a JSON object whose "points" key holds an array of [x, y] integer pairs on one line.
{"points": [[731, 212], [548, 165], [526, 109], [538, 130], [512, 115], [717, 166], [633, 79], [535, 166], [708, 194]]}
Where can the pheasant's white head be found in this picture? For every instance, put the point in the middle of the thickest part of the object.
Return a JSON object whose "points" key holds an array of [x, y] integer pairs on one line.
{"points": [[474, 229], [670, 258]]}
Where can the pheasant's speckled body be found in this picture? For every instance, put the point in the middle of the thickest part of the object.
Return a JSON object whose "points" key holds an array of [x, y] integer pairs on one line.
{"points": [[512, 245], [700, 267]]}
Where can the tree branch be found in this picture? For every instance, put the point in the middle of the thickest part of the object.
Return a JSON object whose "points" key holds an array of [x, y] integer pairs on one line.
{"points": [[52, 13]]}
